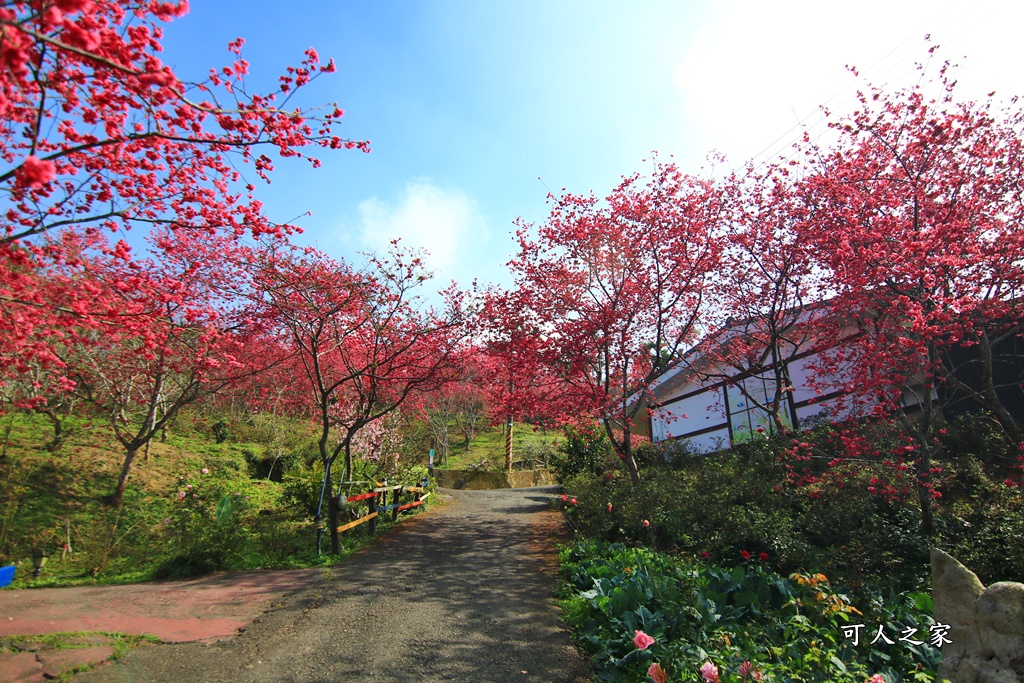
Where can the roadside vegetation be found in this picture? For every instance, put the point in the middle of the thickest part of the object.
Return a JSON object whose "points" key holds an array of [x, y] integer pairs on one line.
{"points": [[754, 560], [221, 491]]}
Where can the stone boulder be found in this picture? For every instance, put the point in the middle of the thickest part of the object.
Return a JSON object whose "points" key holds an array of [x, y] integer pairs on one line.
{"points": [[986, 624]]}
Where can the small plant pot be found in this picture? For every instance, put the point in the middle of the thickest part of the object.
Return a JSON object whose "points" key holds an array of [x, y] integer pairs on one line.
{"points": [[6, 575]]}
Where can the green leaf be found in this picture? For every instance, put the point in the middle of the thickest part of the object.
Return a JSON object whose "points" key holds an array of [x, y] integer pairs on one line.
{"points": [[225, 506], [746, 598], [838, 662], [923, 602]]}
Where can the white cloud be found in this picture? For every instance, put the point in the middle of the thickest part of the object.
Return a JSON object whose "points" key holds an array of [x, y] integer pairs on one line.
{"points": [[757, 68], [446, 223]]}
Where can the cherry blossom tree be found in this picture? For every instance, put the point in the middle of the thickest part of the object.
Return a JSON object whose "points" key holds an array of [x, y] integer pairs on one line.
{"points": [[456, 405], [915, 218], [513, 354], [101, 136], [178, 347], [621, 287], [766, 296], [364, 344]]}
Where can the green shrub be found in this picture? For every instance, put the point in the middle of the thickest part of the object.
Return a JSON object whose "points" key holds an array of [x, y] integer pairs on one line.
{"points": [[585, 449], [206, 530], [978, 436], [856, 519], [220, 430]]}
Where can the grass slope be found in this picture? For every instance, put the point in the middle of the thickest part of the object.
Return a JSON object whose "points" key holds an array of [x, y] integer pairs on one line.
{"points": [[174, 515], [488, 447]]}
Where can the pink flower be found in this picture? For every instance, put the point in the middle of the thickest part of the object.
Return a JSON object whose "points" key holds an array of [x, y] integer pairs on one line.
{"points": [[764, 557], [204, 471], [564, 497], [877, 678], [73, 5], [35, 172], [181, 495], [747, 669], [642, 640], [745, 554], [710, 672], [609, 507], [646, 523], [657, 674], [706, 555], [572, 501]]}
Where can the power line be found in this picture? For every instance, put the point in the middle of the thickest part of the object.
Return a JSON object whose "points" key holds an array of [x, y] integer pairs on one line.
{"points": [[867, 75]]}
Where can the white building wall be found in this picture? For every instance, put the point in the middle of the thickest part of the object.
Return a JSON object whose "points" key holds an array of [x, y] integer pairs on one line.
{"points": [[706, 410]]}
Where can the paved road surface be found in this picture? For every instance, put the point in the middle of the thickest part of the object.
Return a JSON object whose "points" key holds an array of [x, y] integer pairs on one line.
{"points": [[463, 593]]}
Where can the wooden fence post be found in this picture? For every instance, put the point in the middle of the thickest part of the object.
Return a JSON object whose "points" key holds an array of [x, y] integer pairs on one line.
{"points": [[394, 513], [373, 511]]}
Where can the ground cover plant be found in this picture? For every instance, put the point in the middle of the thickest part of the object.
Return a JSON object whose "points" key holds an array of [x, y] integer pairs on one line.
{"points": [[634, 608]]}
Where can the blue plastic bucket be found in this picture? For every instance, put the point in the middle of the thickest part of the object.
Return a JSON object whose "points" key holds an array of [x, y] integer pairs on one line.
{"points": [[6, 575]]}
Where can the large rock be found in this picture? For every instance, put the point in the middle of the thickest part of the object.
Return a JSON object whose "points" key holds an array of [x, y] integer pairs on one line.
{"points": [[986, 625]]}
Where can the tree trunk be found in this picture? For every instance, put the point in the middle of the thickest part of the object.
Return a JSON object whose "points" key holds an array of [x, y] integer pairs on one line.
{"points": [[58, 430], [631, 466], [333, 514], [122, 481], [348, 458], [626, 453], [989, 392], [924, 494]]}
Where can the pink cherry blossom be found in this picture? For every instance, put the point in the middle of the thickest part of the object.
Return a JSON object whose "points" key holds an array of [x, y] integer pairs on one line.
{"points": [[35, 172]]}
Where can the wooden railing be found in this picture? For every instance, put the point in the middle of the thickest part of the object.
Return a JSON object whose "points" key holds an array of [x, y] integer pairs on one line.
{"points": [[377, 503]]}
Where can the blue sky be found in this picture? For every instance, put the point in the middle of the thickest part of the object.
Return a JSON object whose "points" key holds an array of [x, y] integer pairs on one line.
{"points": [[468, 102]]}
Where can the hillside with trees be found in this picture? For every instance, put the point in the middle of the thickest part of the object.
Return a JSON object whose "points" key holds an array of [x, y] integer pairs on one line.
{"points": [[203, 401]]}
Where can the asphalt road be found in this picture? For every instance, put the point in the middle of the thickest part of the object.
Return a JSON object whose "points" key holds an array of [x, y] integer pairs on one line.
{"points": [[462, 593]]}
